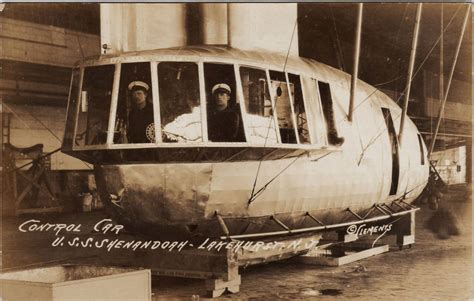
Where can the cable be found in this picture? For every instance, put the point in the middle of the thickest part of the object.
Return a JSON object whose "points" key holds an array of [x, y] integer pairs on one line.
{"points": [[426, 56], [49, 130], [252, 196], [339, 50], [389, 81], [291, 42], [280, 172], [375, 137], [79, 42], [414, 74]]}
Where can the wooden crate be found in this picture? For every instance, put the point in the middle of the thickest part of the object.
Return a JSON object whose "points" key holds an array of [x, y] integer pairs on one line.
{"points": [[76, 283]]}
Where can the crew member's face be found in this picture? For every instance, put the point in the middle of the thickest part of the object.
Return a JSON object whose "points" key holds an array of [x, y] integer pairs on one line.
{"points": [[222, 100], [139, 97]]}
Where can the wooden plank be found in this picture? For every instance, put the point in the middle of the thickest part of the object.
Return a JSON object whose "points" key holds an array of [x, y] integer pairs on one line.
{"points": [[287, 247], [216, 287], [406, 235], [36, 43], [182, 273], [188, 263], [338, 261], [220, 283], [405, 240], [90, 283], [348, 237]]}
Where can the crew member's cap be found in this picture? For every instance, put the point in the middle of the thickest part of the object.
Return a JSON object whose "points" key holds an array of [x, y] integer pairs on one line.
{"points": [[224, 87], [138, 85]]}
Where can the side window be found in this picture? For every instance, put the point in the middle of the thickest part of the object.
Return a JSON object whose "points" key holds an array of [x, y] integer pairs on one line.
{"points": [[224, 119], [180, 106], [328, 110], [258, 105], [72, 109], [283, 107], [134, 118], [94, 109], [314, 111], [422, 152], [299, 109]]}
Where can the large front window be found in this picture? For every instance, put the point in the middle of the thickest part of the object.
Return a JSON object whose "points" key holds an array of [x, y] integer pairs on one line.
{"points": [[180, 105], [94, 108], [260, 116], [134, 118], [224, 119], [187, 102]]}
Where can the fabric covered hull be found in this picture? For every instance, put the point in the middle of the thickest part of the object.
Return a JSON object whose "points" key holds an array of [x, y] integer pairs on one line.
{"points": [[181, 200]]}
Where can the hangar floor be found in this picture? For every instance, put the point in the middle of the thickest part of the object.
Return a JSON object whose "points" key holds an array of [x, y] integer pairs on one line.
{"points": [[434, 268]]}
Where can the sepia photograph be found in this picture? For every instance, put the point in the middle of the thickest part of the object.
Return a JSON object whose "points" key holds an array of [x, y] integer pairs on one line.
{"points": [[236, 150]]}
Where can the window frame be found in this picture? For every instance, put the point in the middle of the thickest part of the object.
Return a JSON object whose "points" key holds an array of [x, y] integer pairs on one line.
{"points": [[75, 115], [238, 96], [244, 110], [292, 103], [156, 102], [325, 124], [106, 145], [272, 99], [316, 144], [159, 142], [291, 100], [316, 130], [114, 104], [203, 101], [155, 99]]}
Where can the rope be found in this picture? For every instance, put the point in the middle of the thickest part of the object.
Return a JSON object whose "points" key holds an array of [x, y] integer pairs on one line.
{"points": [[80, 45], [259, 192], [252, 196], [415, 73], [40, 122], [339, 47], [374, 138]]}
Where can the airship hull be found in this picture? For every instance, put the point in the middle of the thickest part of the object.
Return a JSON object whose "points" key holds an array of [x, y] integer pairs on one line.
{"points": [[301, 160], [182, 200]]}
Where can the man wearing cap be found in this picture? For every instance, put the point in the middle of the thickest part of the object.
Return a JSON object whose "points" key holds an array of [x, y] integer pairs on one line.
{"points": [[224, 122], [140, 118]]}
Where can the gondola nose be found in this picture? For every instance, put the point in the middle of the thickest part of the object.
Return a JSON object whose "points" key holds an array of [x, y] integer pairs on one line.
{"points": [[156, 193]]}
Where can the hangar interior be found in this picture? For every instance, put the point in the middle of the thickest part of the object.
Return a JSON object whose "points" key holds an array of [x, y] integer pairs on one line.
{"points": [[41, 42]]}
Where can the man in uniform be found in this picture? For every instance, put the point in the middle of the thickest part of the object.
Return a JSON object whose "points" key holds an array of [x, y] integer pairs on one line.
{"points": [[140, 118], [225, 123]]}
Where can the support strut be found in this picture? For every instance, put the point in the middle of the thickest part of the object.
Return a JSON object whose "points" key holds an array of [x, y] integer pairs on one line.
{"points": [[410, 71]]}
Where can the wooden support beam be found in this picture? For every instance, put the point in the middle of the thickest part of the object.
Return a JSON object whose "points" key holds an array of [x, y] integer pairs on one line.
{"points": [[410, 71], [355, 70], [344, 259], [406, 234]]}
